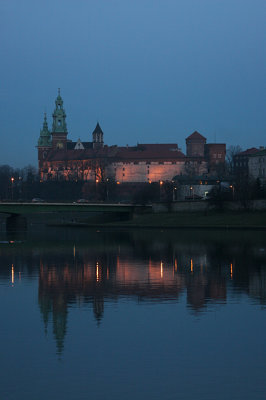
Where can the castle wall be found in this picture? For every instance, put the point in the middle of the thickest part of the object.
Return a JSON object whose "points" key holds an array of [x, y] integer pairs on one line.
{"points": [[141, 171]]}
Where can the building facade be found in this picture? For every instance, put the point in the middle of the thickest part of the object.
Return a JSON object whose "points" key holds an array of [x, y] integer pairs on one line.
{"points": [[62, 159], [257, 166], [241, 162]]}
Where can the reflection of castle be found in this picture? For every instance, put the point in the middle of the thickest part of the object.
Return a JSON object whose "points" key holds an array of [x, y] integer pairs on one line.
{"points": [[93, 282], [160, 266]]}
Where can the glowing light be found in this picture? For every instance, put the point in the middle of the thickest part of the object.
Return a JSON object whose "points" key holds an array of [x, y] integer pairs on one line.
{"points": [[191, 265], [97, 272], [161, 182], [97, 180], [74, 251], [118, 183], [12, 179], [12, 275], [161, 269], [175, 264], [231, 270]]}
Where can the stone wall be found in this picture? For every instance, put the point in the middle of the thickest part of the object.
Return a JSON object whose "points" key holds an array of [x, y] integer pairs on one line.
{"points": [[202, 206]]}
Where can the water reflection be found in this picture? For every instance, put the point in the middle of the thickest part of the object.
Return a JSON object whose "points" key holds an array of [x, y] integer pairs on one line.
{"points": [[90, 269]]}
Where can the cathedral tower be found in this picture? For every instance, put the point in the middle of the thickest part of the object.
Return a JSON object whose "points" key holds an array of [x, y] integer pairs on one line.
{"points": [[44, 142], [59, 129], [97, 137]]}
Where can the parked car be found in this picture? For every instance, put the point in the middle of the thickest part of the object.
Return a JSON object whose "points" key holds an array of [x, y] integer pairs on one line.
{"points": [[82, 201]]}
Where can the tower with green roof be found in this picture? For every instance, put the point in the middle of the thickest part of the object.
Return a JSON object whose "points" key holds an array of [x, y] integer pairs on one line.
{"points": [[44, 142], [59, 128]]}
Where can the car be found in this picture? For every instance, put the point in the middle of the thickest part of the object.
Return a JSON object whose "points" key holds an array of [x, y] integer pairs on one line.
{"points": [[37, 200], [82, 201]]}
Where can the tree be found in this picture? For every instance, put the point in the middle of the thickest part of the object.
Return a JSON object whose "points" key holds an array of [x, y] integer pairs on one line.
{"points": [[230, 153]]}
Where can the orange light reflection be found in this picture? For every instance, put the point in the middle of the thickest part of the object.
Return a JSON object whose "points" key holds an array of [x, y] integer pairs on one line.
{"points": [[12, 275]]}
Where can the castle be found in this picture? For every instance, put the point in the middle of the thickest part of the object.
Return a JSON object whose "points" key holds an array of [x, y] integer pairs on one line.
{"points": [[62, 159]]}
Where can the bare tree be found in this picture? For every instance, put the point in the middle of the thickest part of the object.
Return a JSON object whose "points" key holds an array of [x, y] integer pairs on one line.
{"points": [[230, 153]]}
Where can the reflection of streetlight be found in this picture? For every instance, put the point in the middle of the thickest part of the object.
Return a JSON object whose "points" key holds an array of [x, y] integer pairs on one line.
{"points": [[191, 192], [12, 184]]}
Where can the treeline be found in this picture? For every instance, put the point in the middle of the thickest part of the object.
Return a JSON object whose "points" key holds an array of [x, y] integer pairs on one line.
{"points": [[24, 184], [15, 183]]}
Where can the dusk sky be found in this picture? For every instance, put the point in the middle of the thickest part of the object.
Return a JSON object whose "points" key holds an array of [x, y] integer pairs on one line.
{"points": [[150, 71]]}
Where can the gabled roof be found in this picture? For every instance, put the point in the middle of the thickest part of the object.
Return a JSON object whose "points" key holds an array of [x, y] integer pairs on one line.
{"points": [[248, 152], [196, 136], [71, 145], [259, 153], [142, 152], [148, 152]]}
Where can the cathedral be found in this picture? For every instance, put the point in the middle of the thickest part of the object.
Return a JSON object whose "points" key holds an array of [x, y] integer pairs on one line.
{"points": [[62, 159]]}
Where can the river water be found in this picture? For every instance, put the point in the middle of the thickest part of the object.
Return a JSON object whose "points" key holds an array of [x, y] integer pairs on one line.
{"points": [[139, 314]]}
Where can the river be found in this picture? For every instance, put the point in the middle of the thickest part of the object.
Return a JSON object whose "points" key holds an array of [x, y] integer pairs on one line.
{"points": [[141, 314]]}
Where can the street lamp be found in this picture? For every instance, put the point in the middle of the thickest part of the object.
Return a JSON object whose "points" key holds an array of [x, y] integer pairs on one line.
{"points": [[161, 183], [12, 186], [233, 191]]}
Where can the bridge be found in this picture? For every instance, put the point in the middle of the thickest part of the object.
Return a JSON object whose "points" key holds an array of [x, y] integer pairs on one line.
{"points": [[17, 213], [37, 208]]}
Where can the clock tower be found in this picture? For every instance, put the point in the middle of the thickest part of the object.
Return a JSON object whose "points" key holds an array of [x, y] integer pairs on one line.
{"points": [[59, 128]]}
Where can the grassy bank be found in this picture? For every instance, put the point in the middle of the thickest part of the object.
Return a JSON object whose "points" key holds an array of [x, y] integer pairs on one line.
{"points": [[215, 220]]}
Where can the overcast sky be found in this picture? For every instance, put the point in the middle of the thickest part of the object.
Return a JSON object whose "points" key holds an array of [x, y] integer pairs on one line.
{"points": [[147, 70]]}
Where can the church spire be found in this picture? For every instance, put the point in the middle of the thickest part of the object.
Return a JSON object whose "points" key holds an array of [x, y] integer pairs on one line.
{"points": [[45, 135], [59, 116], [97, 136]]}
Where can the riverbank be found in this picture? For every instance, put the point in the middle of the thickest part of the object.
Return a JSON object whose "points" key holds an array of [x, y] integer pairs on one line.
{"points": [[212, 220]]}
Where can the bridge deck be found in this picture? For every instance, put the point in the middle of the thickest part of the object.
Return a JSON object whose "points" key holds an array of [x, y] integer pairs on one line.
{"points": [[35, 208]]}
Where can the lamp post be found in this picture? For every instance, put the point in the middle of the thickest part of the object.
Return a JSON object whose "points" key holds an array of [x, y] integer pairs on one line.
{"points": [[191, 192], [174, 193], [12, 188], [107, 189], [233, 191], [160, 183]]}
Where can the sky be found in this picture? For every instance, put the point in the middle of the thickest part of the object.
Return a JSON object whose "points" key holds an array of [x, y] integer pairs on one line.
{"points": [[150, 71]]}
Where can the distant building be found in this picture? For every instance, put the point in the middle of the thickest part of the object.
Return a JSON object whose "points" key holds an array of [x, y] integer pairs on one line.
{"points": [[62, 159], [241, 161], [257, 165]]}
